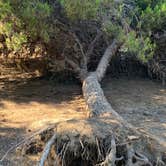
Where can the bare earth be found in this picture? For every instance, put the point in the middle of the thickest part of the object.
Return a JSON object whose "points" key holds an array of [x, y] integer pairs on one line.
{"points": [[29, 106]]}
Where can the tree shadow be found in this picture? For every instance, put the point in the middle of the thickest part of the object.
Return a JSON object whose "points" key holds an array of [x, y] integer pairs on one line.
{"points": [[9, 137], [38, 90]]}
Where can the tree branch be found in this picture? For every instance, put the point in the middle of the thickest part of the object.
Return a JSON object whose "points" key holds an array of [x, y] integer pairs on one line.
{"points": [[92, 45], [75, 66], [84, 58], [104, 62]]}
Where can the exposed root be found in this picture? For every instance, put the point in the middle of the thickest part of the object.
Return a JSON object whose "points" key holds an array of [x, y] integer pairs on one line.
{"points": [[111, 157], [136, 159], [47, 150], [100, 156], [160, 162], [63, 153]]}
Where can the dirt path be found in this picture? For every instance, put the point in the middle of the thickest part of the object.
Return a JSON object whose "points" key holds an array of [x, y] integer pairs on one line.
{"points": [[28, 106]]}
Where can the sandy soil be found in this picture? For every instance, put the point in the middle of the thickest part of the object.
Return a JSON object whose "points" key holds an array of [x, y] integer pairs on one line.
{"points": [[26, 107], [140, 102]]}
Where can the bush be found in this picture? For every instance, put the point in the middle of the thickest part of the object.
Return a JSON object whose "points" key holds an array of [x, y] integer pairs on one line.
{"points": [[81, 9], [153, 17], [24, 20]]}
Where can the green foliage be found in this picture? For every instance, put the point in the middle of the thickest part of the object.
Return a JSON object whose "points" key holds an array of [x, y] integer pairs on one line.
{"points": [[16, 41], [5, 10], [143, 48], [24, 20], [34, 15], [117, 18], [114, 31], [154, 17], [81, 9], [143, 4], [122, 26]]}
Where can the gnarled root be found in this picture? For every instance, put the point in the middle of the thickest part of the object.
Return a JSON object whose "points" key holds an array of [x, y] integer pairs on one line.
{"points": [[136, 159], [111, 157], [47, 150], [99, 142]]}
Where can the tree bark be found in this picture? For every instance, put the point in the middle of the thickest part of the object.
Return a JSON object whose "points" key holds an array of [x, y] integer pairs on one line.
{"points": [[92, 91], [104, 62]]}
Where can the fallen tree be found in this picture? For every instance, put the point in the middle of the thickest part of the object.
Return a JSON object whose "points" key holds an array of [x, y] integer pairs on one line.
{"points": [[104, 137]]}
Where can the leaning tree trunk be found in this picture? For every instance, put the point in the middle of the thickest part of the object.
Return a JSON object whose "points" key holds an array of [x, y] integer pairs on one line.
{"points": [[92, 92], [104, 138]]}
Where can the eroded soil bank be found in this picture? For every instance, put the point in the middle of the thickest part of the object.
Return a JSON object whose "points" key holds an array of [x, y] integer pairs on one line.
{"points": [[28, 106]]}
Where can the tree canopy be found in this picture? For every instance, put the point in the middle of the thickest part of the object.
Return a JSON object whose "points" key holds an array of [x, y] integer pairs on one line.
{"points": [[135, 23]]}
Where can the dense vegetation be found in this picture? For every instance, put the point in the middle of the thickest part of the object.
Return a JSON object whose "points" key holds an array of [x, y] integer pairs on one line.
{"points": [[138, 24], [23, 21]]}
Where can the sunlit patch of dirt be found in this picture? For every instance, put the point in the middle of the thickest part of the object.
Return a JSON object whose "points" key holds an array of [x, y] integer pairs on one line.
{"points": [[34, 114]]}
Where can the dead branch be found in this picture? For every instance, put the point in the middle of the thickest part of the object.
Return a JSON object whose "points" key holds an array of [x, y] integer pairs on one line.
{"points": [[84, 58], [92, 45], [75, 66]]}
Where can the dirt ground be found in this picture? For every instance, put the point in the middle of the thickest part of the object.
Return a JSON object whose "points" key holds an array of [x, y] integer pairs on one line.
{"points": [[28, 106]]}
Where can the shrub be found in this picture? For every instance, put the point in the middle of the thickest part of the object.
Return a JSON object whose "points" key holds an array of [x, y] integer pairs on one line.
{"points": [[81, 9], [153, 17], [24, 20]]}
